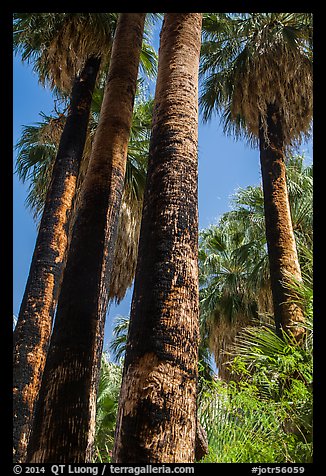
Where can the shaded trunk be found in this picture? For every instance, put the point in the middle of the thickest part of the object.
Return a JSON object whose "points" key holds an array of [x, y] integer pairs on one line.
{"points": [[201, 442], [282, 252], [157, 408], [33, 329], [64, 423]]}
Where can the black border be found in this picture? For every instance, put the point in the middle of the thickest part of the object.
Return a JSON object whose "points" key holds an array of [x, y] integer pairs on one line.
{"points": [[6, 189]]}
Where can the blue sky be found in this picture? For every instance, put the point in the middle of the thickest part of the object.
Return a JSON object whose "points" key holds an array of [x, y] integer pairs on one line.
{"points": [[224, 166]]}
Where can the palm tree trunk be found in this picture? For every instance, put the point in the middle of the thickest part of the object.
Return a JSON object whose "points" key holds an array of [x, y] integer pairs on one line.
{"points": [[64, 423], [157, 408], [282, 252], [33, 329]]}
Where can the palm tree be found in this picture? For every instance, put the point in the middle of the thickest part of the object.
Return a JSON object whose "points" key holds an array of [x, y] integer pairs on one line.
{"points": [[63, 429], [157, 407], [257, 68], [233, 261], [228, 297], [44, 38], [72, 39]]}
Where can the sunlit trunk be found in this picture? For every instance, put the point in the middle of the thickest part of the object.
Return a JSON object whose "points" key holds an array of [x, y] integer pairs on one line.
{"points": [[282, 252], [157, 407]]}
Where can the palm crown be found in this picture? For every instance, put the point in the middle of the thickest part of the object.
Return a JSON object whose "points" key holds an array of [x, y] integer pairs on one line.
{"points": [[251, 60], [59, 43]]}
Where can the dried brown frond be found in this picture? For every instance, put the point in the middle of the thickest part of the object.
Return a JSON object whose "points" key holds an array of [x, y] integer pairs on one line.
{"points": [[126, 249], [264, 300], [222, 337], [223, 333], [52, 130], [68, 50], [276, 75]]}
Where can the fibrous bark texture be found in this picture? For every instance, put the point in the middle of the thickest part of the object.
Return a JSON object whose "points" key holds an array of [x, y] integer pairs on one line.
{"points": [[282, 252], [64, 425], [157, 408], [33, 329]]}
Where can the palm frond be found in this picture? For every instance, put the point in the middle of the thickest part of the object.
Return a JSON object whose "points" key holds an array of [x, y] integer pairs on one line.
{"points": [[148, 61], [58, 44], [36, 152], [119, 339], [251, 60], [238, 427], [106, 408]]}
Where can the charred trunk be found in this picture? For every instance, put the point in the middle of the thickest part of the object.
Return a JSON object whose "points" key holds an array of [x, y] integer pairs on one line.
{"points": [[33, 329], [282, 252], [157, 408], [64, 421]]}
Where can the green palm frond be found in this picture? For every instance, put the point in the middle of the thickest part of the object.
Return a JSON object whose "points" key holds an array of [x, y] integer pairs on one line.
{"points": [[148, 61], [265, 415], [238, 427], [106, 408], [120, 334], [300, 187], [36, 152], [280, 357]]}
